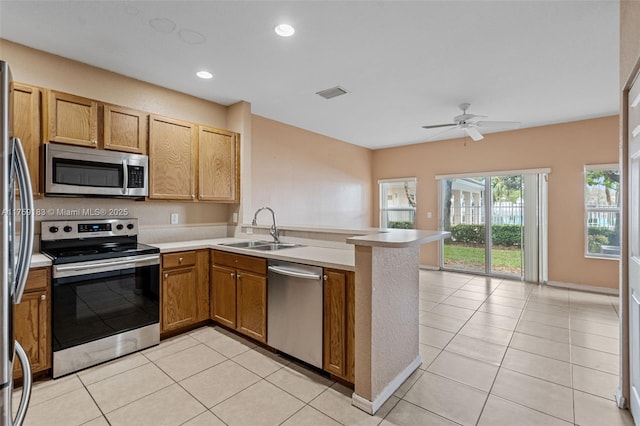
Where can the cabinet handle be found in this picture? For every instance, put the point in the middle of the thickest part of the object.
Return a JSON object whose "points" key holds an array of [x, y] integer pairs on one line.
{"points": [[166, 275], [324, 277], [232, 275], [238, 276], [43, 297], [180, 260], [94, 142]]}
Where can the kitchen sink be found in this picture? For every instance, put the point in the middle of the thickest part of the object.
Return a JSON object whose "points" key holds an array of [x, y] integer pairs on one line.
{"points": [[260, 245], [246, 244], [275, 246]]}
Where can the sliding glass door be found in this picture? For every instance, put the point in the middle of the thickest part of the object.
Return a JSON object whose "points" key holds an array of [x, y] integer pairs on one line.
{"points": [[486, 218]]}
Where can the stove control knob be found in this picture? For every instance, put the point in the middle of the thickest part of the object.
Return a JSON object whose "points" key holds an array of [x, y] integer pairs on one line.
{"points": [[130, 226], [119, 227], [53, 229], [67, 228]]}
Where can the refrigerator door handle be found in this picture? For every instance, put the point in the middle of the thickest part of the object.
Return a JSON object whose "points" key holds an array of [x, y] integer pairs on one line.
{"points": [[26, 220], [26, 385]]}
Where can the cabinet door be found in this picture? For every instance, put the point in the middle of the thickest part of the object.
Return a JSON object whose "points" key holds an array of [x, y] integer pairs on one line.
{"points": [[125, 129], [252, 305], [31, 329], [217, 165], [171, 165], [223, 295], [179, 308], [27, 123], [72, 119], [339, 292]]}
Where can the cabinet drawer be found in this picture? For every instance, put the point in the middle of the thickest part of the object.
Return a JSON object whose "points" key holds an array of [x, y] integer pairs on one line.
{"points": [[246, 263], [38, 279], [185, 258]]}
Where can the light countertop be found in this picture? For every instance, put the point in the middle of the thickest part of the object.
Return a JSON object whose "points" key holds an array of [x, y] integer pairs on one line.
{"points": [[398, 238], [39, 260], [319, 256]]}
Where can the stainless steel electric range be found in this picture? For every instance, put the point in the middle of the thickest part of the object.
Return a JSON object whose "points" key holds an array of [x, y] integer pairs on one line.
{"points": [[105, 297]]}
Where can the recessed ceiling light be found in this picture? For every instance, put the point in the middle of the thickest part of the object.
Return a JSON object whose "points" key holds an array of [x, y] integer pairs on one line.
{"points": [[204, 74], [285, 30]]}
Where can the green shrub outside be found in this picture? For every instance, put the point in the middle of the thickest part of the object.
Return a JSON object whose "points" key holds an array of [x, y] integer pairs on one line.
{"points": [[596, 242], [611, 235], [400, 224], [501, 235]]}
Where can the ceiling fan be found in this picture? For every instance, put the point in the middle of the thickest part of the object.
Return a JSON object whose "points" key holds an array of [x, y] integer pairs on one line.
{"points": [[470, 125]]}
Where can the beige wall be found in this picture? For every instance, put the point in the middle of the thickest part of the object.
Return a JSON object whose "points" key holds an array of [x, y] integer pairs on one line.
{"points": [[565, 148], [629, 38], [39, 68], [307, 178]]}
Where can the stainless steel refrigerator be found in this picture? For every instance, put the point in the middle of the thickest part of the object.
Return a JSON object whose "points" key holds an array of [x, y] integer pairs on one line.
{"points": [[17, 245]]}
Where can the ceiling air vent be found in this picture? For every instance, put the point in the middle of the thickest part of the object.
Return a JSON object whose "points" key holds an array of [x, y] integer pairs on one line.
{"points": [[332, 92]]}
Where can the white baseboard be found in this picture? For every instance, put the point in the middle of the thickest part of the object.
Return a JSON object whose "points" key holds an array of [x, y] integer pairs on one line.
{"points": [[371, 407], [429, 267], [583, 287]]}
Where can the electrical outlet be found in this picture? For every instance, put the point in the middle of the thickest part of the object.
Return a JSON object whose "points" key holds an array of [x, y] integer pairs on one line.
{"points": [[234, 217], [174, 218], [429, 214], [249, 231]]}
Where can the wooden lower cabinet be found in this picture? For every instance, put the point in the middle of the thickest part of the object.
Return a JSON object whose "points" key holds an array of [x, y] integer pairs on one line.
{"points": [[223, 295], [31, 322], [339, 319], [184, 289], [239, 293]]}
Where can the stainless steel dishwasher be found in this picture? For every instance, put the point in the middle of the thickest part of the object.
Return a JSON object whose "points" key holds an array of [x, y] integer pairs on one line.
{"points": [[294, 313]]}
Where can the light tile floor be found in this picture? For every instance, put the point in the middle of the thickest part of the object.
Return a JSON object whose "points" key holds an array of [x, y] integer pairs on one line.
{"points": [[495, 352]]}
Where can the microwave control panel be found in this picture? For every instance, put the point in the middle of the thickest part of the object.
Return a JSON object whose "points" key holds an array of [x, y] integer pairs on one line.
{"points": [[135, 177]]}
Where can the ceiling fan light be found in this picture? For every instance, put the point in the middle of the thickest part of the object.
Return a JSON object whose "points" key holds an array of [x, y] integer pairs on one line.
{"points": [[473, 133]]}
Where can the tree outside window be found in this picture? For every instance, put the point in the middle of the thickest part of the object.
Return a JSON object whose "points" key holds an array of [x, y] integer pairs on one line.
{"points": [[398, 203], [602, 211]]}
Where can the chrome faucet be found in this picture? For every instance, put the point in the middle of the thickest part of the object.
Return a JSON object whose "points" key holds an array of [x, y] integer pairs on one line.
{"points": [[273, 231]]}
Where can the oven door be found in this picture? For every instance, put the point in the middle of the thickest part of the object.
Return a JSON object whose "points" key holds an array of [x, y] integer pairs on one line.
{"points": [[98, 299]]}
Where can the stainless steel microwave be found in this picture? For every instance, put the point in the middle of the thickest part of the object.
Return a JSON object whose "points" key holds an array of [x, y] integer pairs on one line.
{"points": [[77, 171]]}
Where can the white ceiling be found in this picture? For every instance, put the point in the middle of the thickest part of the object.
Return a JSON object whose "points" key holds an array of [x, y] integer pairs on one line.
{"points": [[405, 64]]}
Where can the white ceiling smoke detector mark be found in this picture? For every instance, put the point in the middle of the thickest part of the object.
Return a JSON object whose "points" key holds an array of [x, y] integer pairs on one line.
{"points": [[191, 37], [332, 92], [285, 30], [162, 25]]}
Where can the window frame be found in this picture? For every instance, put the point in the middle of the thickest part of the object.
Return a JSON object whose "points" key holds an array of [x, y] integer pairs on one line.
{"points": [[382, 200], [608, 209]]}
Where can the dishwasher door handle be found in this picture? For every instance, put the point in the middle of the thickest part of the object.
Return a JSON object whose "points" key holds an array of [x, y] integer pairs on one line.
{"points": [[292, 273]]}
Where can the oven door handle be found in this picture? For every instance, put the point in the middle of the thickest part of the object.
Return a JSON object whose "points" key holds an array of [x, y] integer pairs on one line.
{"points": [[131, 262]]}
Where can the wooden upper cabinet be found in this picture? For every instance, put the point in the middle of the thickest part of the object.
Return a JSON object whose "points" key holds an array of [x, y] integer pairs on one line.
{"points": [[27, 125], [218, 165], [125, 129], [171, 162], [71, 119]]}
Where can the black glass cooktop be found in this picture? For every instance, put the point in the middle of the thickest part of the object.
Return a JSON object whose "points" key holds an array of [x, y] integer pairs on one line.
{"points": [[86, 251]]}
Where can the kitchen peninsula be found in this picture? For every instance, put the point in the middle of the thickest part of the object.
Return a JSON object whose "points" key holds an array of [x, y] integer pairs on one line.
{"points": [[386, 265]]}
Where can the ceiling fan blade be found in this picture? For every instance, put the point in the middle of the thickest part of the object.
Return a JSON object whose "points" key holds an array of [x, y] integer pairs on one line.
{"points": [[501, 124], [474, 133], [433, 137], [435, 126]]}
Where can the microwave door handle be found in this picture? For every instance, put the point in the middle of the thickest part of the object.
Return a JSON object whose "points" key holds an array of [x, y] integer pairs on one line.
{"points": [[125, 181], [26, 220]]}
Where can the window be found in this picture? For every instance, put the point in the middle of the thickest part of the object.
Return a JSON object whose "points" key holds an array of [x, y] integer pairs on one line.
{"points": [[602, 211], [398, 203]]}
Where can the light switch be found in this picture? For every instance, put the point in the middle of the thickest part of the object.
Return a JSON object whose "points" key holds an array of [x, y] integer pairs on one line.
{"points": [[174, 218], [429, 214]]}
